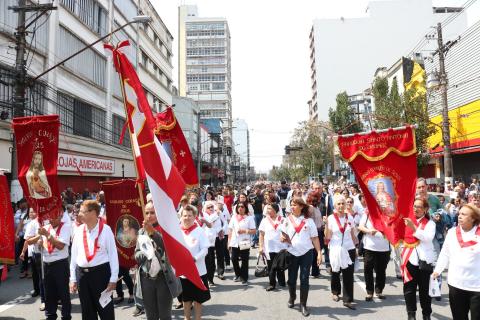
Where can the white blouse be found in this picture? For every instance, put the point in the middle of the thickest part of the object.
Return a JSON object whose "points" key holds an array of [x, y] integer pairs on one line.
{"points": [[271, 237], [336, 239], [246, 223], [301, 241], [463, 263], [197, 243], [373, 243], [425, 248], [218, 224]]}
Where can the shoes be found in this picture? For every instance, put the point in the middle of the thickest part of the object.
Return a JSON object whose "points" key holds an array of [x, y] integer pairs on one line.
{"points": [[369, 297], [35, 294], [349, 305], [303, 302], [138, 312], [236, 279], [245, 282], [179, 306], [270, 288], [335, 298], [211, 284], [292, 291], [221, 277], [411, 315], [317, 276], [118, 300], [42, 307], [130, 300], [381, 296]]}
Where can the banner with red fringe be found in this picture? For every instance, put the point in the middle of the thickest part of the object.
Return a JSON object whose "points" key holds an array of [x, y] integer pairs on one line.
{"points": [[385, 166]]}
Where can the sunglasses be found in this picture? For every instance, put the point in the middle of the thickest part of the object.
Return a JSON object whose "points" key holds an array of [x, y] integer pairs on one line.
{"points": [[210, 207], [241, 206]]}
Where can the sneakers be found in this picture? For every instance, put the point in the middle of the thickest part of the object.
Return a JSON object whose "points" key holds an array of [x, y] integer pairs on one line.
{"points": [[42, 307]]}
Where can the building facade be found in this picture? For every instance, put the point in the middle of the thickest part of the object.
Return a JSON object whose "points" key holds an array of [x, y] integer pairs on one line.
{"points": [[344, 51], [241, 141], [85, 91]]}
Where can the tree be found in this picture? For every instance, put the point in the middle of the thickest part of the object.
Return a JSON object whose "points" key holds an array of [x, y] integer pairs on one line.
{"points": [[342, 118]]}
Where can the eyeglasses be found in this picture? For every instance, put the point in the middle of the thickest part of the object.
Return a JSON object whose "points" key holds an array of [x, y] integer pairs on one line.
{"points": [[210, 207]]}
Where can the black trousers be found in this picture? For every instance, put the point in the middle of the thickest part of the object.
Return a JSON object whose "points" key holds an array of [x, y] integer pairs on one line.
{"points": [[56, 280], [218, 252], [375, 261], [463, 301], [226, 252], [37, 280], [303, 263], [347, 279], [274, 274], [124, 272], [420, 279], [90, 286], [244, 256]]}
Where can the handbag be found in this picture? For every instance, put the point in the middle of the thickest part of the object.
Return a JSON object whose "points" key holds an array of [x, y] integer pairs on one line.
{"points": [[244, 244], [423, 265], [261, 271]]}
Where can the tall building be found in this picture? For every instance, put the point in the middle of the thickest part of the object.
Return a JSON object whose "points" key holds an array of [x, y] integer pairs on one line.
{"points": [[85, 91], [241, 140], [344, 51], [204, 66]]}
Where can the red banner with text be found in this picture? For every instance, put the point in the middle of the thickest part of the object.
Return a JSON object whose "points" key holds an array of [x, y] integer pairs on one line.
{"points": [[124, 216], [7, 230], [37, 156], [385, 166]]}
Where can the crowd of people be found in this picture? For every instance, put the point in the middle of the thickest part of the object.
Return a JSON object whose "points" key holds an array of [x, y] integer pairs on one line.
{"points": [[296, 227]]}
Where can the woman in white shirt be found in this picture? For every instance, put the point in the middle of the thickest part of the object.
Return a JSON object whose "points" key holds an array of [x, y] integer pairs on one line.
{"points": [[376, 257], [215, 232], [198, 244], [300, 232], [418, 261], [240, 228], [270, 243], [340, 233], [461, 254]]}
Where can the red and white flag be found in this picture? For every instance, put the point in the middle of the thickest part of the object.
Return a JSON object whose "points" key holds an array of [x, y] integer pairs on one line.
{"points": [[165, 182]]}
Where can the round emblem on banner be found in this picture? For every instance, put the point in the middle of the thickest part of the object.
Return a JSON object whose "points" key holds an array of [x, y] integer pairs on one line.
{"points": [[126, 231]]}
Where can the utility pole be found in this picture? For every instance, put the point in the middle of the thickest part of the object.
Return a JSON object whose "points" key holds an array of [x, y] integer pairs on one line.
{"points": [[20, 84], [447, 151], [199, 149]]}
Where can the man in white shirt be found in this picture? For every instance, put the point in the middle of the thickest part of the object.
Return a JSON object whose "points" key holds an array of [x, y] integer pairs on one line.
{"points": [[94, 263], [55, 241]]}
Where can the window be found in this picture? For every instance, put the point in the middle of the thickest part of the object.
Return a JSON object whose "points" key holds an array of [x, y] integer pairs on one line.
{"points": [[144, 59], [218, 86], [89, 12], [204, 86], [117, 127]]}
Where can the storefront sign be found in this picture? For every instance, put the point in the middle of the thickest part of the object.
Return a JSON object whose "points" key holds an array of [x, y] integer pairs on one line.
{"points": [[80, 164]]}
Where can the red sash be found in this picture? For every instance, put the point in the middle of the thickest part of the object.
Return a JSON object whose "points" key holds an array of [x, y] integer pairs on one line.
{"points": [[200, 222], [188, 230], [337, 219], [274, 224], [95, 245], [467, 244], [407, 252], [50, 246], [299, 227], [240, 217]]}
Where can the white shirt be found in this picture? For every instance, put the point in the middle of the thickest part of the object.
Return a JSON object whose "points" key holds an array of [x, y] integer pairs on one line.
{"points": [[197, 243], [301, 241], [425, 247], [336, 239], [63, 237], [66, 218], [30, 232], [373, 243], [250, 210], [247, 223], [218, 224], [107, 251], [271, 238], [463, 263]]}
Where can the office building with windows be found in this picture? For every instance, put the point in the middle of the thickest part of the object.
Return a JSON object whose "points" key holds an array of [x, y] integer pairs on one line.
{"points": [[85, 91]]}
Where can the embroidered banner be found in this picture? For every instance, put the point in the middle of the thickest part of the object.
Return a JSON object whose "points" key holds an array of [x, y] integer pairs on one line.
{"points": [[37, 156], [7, 230], [385, 165], [124, 216]]}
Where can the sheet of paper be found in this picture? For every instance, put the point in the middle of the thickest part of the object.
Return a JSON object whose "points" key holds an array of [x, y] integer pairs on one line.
{"points": [[105, 298]]}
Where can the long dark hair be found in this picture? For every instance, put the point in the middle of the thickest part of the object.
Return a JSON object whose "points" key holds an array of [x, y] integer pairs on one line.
{"points": [[244, 204], [300, 202]]}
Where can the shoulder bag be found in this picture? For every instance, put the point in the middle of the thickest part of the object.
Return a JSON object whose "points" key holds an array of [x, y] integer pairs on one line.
{"points": [[261, 270]]}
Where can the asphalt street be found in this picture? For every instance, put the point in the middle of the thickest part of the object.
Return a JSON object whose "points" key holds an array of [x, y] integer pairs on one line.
{"points": [[231, 300]]}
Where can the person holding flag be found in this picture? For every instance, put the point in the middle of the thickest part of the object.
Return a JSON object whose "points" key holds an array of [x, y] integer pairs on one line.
{"points": [[55, 240], [95, 258]]}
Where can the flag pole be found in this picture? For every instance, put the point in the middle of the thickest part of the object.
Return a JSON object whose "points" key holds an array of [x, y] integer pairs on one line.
{"points": [[139, 185]]}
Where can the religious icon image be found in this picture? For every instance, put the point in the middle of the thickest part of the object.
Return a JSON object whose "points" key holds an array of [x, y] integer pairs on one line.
{"points": [[382, 191], [37, 182], [127, 231]]}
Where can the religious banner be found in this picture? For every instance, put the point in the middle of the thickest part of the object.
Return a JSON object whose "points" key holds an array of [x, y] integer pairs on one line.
{"points": [[385, 165], [124, 216], [7, 230], [169, 132], [37, 156]]}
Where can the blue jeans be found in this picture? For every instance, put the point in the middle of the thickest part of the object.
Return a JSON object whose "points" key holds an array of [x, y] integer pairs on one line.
{"points": [[258, 218], [304, 263]]}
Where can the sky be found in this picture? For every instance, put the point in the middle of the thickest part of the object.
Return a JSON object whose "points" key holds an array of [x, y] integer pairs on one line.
{"points": [[270, 61]]}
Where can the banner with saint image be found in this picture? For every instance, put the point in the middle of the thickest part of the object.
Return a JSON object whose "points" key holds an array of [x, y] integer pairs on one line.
{"points": [[124, 216], [385, 165], [36, 142]]}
